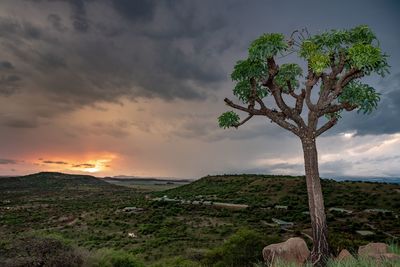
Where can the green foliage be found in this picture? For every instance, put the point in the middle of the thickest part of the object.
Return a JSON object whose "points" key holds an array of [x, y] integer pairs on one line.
{"points": [[267, 46], [115, 258], [243, 91], [362, 95], [357, 44], [338, 40], [358, 47], [367, 58], [244, 70], [318, 62], [394, 248], [288, 72], [39, 251], [362, 262], [228, 119], [176, 262], [242, 249]]}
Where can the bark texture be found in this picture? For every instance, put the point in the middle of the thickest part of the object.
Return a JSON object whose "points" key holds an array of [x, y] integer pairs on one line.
{"points": [[320, 251]]}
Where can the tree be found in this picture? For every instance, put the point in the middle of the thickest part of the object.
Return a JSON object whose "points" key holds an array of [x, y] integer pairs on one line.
{"points": [[336, 61]]}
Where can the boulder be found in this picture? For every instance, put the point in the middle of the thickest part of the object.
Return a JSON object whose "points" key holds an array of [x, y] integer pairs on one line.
{"points": [[294, 250], [372, 249], [344, 255], [391, 257], [384, 256]]}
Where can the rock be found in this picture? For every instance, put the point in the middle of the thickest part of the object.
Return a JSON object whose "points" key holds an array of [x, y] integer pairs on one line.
{"points": [[294, 250], [390, 257], [385, 257], [344, 255], [373, 249]]}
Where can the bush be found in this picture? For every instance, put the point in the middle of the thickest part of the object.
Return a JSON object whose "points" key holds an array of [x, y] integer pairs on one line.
{"points": [[40, 251], [114, 258], [242, 249], [176, 262]]}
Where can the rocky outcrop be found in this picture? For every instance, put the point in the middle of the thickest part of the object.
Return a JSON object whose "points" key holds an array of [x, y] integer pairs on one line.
{"points": [[378, 251], [344, 255], [373, 249], [294, 250]]}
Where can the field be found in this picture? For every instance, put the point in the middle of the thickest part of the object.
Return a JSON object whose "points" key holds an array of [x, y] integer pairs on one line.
{"points": [[89, 213]]}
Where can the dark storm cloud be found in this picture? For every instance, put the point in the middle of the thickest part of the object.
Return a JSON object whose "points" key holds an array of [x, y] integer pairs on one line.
{"points": [[20, 123], [56, 21], [9, 84], [10, 28], [5, 65], [384, 120], [135, 10], [8, 161], [135, 52], [78, 15]]}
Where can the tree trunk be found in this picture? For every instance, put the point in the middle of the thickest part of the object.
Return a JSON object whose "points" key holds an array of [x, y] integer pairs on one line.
{"points": [[320, 251]]}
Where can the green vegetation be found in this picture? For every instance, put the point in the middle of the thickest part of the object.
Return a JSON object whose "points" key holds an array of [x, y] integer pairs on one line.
{"points": [[82, 218]]}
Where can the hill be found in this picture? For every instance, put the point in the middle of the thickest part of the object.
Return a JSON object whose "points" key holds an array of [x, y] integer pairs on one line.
{"points": [[49, 180], [94, 214], [271, 190]]}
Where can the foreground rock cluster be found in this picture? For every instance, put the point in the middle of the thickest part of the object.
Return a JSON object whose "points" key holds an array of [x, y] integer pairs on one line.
{"points": [[295, 251]]}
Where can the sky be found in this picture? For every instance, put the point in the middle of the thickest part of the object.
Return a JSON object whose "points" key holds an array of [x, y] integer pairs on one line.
{"points": [[121, 87]]}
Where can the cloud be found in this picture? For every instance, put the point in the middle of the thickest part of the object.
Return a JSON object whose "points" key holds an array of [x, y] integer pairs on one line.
{"points": [[117, 56], [135, 10], [8, 161], [117, 129], [9, 84], [55, 162], [383, 120], [78, 15], [84, 165], [56, 21], [19, 122], [5, 65]]}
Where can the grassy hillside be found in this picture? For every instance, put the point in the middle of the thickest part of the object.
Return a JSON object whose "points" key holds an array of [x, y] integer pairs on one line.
{"points": [[271, 190], [88, 212], [48, 180]]}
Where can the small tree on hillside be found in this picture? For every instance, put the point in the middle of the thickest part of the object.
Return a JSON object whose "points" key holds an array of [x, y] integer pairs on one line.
{"points": [[336, 60]]}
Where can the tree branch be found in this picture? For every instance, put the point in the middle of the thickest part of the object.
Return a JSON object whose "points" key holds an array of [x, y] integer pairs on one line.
{"points": [[277, 117], [272, 71], [300, 102], [250, 111], [342, 82], [311, 81], [336, 70], [243, 121], [326, 126], [335, 108]]}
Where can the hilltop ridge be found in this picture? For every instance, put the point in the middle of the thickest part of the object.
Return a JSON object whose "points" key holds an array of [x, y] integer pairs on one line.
{"points": [[49, 180]]}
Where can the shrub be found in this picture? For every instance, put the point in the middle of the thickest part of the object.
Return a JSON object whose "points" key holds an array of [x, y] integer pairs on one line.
{"points": [[114, 258], [40, 251], [176, 262], [242, 249]]}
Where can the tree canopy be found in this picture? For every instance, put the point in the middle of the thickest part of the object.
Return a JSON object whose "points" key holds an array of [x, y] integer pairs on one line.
{"points": [[336, 62]]}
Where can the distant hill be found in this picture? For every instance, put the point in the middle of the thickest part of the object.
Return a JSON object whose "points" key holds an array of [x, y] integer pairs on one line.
{"points": [[123, 178], [270, 190], [49, 180]]}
